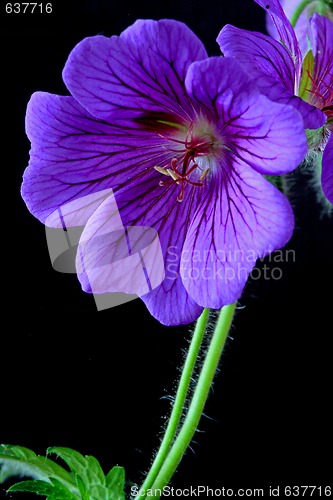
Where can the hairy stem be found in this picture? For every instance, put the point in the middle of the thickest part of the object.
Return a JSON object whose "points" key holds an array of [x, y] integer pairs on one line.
{"points": [[196, 408], [178, 406]]}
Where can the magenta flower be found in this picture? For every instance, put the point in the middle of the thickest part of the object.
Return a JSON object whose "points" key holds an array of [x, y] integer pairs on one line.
{"points": [[284, 76], [182, 140]]}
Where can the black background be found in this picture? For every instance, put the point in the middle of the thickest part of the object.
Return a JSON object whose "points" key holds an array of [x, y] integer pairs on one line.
{"points": [[98, 381]]}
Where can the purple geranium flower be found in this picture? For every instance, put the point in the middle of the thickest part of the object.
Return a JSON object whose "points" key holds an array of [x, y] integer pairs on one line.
{"points": [[182, 140], [284, 76]]}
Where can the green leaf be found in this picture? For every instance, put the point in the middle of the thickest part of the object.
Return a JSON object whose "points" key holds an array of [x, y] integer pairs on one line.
{"points": [[82, 487], [90, 476], [19, 461], [18, 451], [53, 490], [85, 481], [88, 468], [115, 481]]}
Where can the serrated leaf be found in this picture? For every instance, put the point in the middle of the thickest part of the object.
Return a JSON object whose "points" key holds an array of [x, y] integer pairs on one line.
{"points": [[88, 468], [88, 472], [115, 481], [86, 481], [17, 451], [52, 491], [20, 461]]}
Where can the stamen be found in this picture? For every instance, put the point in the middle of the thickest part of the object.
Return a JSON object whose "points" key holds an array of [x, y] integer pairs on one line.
{"points": [[162, 170], [176, 177], [180, 197], [181, 178], [200, 140], [204, 174], [326, 96]]}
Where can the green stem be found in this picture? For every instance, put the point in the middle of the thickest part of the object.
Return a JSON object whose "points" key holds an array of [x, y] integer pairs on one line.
{"points": [[298, 11], [177, 409], [198, 401]]}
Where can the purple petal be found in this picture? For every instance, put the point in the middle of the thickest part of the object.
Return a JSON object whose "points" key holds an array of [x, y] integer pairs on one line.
{"points": [[302, 25], [258, 54], [272, 68], [313, 117], [74, 155], [143, 69], [112, 258], [285, 30], [268, 136], [141, 204], [78, 211], [322, 47], [172, 306], [148, 204], [327, 172], [247, 219]]}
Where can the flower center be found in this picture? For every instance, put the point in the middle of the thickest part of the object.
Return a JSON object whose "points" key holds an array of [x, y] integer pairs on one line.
{"points": [[190, 164], [316, 91], [322, 95]]}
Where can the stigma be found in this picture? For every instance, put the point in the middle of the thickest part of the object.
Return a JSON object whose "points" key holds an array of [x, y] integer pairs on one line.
{"points": [[181, 177]]}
